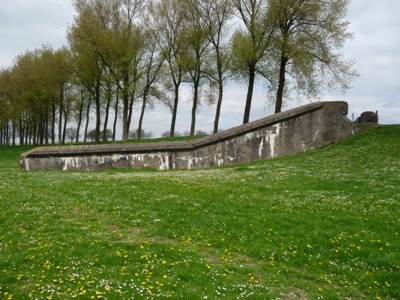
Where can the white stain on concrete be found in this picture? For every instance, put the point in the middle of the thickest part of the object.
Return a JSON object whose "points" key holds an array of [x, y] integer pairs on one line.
{"points": [[26, 162], [271, 136], [86, 163], [164, 162], [249, 136], [192, 161], [261, 147], [315, 135], [70, 163], [116, 157]]}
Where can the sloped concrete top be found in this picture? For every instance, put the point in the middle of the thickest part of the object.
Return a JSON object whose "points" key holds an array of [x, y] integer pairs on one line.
{"points": [[260, 123]]}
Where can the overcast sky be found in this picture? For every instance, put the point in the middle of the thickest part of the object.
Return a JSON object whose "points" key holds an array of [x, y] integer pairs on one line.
{"points": [[27, 25]]}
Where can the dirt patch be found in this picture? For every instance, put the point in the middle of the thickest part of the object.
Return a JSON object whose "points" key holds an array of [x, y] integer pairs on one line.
{"points": [[295, 294]]}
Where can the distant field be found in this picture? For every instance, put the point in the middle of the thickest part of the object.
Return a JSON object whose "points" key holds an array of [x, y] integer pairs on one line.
{"points": [[319, 225]]}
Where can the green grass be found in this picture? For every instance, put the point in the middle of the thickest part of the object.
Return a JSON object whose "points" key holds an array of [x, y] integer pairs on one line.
{"points": [[319, 225]]}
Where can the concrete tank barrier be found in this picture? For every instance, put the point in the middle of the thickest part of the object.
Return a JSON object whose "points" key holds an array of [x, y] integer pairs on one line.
{"points": [[297, 130]]}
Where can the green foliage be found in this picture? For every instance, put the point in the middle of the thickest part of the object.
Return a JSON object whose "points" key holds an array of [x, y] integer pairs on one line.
{"points": [[319, 225], [307, 42], [123, 53]]}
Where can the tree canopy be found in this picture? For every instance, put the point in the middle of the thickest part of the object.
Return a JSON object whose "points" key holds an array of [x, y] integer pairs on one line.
{"points": [[307, 39], [127, 55]]}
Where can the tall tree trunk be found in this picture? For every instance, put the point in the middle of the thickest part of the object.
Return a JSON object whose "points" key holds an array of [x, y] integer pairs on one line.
{"points": [[87, 118], [130, 112], [28, 132], [125, 108], [21, 126], [42, 131], [139, 131], [47, 131], [53, 124], [61, 114], [60, 119], [34, 133], [2, 132], [80, 114], [98, 113], [116, 114], [250, 89], [175, 111], [281, 85], [219, 104], [194, 108], [25, 131], [2, 136], [14, 131], [104, 137], [7, 135], [65, 126]]}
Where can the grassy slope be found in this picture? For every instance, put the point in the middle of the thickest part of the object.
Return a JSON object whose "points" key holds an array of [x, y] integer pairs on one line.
{"points": [[323, 224]]}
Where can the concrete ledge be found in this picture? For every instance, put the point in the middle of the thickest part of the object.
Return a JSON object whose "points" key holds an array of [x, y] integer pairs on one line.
{"points": [[296, 130], [56, 151]]}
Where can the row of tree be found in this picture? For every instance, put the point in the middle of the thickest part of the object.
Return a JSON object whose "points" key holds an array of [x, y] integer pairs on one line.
{"points": [[122, 53]]}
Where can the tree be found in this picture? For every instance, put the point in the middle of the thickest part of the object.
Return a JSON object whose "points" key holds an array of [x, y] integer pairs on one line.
{"points": [[6, 115], [71, 133], [201, 133], [33, 92], [170, 19], [37, 90], [108, 28], [92, 135], [89, 104], [79, 108], [153, 68], [251, 45], [143, 134], [83, 38], [108, 134], [168, 134], [109, 91], [196, 36], [56, 70], [216, 14], [307, 38], [123, 52]]}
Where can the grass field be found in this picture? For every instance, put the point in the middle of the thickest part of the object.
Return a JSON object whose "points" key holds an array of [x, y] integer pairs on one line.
{"points": [[319, 225]]}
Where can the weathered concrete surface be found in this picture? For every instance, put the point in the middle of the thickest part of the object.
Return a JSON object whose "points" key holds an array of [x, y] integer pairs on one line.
{"points": [[297, 130], [368, 117]]}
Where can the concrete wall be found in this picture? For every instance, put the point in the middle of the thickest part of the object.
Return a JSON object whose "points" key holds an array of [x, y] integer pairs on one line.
{"points": [[297, 130]]}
